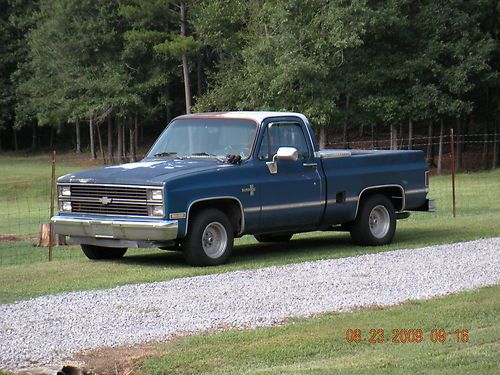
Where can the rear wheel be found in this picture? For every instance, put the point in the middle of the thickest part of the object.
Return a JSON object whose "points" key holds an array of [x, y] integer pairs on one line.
{"points": [[209, 241], [100, 252], [273, 237], [375, 223]]}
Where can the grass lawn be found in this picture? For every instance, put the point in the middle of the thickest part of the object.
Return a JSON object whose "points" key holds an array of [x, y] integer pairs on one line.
{"points": [[25, 191], [318, 345], [314, 345], [25, 273]]}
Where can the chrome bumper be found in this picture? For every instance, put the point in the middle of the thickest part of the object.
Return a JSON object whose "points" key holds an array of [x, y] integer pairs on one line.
{"points": [[151, 230], [431, 205]]}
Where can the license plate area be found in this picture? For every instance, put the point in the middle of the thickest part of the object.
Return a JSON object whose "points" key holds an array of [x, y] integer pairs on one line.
{"points": [[102, 230]]}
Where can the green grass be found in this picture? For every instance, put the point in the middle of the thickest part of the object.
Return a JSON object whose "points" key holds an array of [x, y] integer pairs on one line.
{"points": [[25, 273], [308, 345], [318, 345]]}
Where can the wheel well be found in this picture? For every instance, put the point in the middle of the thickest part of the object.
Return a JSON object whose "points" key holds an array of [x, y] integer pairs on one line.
{"points": [[230, 206], [394, 193]]}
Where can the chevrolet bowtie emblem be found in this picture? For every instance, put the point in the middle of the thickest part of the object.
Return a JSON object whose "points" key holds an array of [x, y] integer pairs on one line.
{"points": [[250, 189], [105, 201]]}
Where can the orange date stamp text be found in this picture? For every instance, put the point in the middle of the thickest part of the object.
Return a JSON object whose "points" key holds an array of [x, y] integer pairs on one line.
{"points": [[402, 335]]}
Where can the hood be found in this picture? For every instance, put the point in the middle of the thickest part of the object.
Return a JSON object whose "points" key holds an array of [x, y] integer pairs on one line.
{"points": [[154, 172]]}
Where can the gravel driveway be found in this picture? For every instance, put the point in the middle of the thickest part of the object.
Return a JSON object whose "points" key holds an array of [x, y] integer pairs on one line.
{"points": [[42, 332]]}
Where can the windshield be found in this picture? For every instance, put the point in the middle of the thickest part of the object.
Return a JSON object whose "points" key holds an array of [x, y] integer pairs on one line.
{"points": [[205, 137]]}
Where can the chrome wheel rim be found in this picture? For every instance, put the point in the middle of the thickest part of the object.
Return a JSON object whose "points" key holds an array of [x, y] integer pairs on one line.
{"points": [[214, 240], [379, 221]]}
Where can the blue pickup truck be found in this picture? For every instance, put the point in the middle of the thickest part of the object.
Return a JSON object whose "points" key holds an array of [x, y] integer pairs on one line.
{"points": [[211, 177]]}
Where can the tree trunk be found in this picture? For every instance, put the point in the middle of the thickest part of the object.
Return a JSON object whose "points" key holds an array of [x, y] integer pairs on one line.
{"points": [[91, 135], [124, 142], [494, 163], [458, 160], [51, 137], [199, 73], [110, 140], [346, 120], [78, 137], [410, 134], [132, 154], [169, 113], [101, 149], [373, 136], [185, 67], [391, 136], [136, 138], [401, 138], [14, 139], [430, 146], [440, 151], [394, 138], [119, 143], [34, 143], [484, 156], [131, 144], [141, 138], [322, 137]]}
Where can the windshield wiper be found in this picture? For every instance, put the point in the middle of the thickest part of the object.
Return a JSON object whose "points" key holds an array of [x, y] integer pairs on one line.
{"points": [[206, 154], [201, 154], [166, 153]]}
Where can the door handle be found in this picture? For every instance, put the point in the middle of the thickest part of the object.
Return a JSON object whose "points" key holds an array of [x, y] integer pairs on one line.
{"points": [[314, 165]]}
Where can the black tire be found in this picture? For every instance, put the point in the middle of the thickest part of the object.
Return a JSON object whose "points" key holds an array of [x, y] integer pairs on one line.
{"points": [[273, 237], [100, 252], [375, 223], [209, 241]]}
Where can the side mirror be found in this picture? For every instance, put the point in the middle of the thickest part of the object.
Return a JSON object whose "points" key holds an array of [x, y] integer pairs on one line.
{"points": [[287, 153], [284, 153]]}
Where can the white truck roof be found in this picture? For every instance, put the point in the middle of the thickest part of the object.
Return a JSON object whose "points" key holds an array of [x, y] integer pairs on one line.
{"points": [[257, 116]]}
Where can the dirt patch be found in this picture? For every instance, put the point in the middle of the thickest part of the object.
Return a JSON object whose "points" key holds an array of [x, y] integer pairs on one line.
{"points": [[8, 237], [120, 360], [11, 237]]}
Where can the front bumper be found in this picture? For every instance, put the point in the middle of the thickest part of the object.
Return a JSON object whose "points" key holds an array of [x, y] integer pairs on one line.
{"points": [[122, 229]]}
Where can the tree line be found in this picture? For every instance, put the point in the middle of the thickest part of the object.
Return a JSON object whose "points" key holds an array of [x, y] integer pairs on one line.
{"points": [[98, 74]]}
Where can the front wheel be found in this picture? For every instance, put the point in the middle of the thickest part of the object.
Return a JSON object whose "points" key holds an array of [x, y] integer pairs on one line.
{"points": [[100, 252], [209, 241], [375, 223]]}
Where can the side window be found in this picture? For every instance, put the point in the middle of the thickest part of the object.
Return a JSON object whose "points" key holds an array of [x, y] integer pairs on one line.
{"points": [[283, 135]]}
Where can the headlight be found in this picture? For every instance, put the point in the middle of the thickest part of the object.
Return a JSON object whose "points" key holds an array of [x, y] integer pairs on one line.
{"points": [[157, 195], [65, 191], [157, 211], [66, 207]]}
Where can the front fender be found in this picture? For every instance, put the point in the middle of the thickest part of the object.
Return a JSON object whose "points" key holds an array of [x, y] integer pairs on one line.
{"points": [[227, 182]]}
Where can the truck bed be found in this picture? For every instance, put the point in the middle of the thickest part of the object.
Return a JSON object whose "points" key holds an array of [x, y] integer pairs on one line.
{"points": [[349, 172]]}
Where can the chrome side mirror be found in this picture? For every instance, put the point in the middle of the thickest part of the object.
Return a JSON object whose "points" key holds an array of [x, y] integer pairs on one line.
{"points": [[284, 153]]}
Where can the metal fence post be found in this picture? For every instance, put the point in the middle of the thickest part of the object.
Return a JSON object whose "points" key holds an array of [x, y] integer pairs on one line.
{"points": [[452, 143]]}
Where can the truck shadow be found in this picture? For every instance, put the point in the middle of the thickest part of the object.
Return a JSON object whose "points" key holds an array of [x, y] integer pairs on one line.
{"points": [[254, 252], [299, 249]]}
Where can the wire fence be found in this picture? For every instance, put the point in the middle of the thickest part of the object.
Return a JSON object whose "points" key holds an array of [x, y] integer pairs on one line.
{"points": [[26, 184]]}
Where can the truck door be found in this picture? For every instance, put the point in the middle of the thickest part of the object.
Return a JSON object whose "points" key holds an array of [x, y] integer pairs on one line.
{"points": [[293, 198]]}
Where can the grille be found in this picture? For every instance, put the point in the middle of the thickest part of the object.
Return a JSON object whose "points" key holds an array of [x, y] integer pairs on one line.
{"points": [[110, 209], [111, 200], [127, 193]]}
